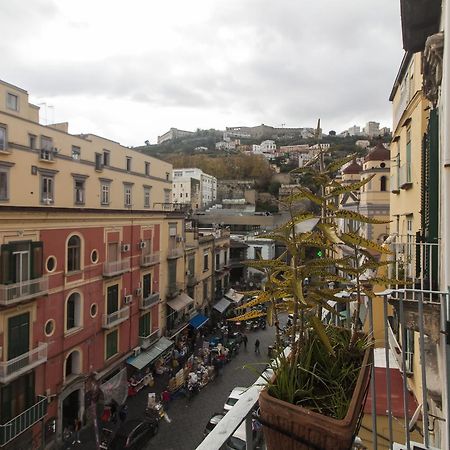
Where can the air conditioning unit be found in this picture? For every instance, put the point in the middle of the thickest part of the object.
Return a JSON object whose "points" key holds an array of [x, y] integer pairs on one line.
{"points": [[136, 351], [142, 244], [127, 299], [125, 248], [138, 292]]}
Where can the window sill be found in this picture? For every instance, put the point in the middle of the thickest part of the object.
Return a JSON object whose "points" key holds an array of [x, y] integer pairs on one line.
{"points": [[50, 161], [110, 358], [4, 151], [73, 272], [104, 204], [80, 203], [72, 331]]}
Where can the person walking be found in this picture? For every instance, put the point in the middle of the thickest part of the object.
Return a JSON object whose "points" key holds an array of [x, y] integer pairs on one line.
{"points": [[257, 346], [77, 428], [245, 340]]}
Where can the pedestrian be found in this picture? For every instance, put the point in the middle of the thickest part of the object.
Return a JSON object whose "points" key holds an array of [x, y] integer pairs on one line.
{"points": [[245, 340], [114, 412], [257, 346], [123, 413], [77, 428], [165, 397]]}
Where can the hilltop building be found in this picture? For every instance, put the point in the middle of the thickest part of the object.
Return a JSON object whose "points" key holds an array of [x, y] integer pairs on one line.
{"points": [[173, 134]]}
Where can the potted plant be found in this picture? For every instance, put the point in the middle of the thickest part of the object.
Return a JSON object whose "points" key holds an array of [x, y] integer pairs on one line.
{"points": [[318, 388]]}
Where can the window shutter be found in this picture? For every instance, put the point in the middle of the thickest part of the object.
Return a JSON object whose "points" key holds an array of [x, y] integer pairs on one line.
{"points": [[7, 264], [37, 253]]}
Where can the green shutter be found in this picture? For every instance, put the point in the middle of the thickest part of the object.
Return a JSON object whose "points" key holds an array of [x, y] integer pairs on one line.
{"points": [[18, 335], [144, 325], [111, 344], [147, 285], [37, 252], [7, 264]]}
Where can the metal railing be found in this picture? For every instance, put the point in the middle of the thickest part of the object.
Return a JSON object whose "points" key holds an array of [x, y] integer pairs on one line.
{"points": [[23, 290], [146, 341], [407, 403], [17, 366], [150, 259], [414, 262], [23, 421], [113, 319], [149, 301], [111, 268]]}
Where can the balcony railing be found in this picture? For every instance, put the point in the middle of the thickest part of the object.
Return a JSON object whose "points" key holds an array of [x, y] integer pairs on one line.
{"points": [[150, 259], [149, 301], [146, 341], [23, 421], [24, 290], [113, 319], [17, 366], [173, 289], [414, 262], [176, 252], [392, 410], [112, 268]]}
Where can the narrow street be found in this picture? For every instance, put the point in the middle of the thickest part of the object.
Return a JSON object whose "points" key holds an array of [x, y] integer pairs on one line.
{"points": [[188, 419], [185, 431]]}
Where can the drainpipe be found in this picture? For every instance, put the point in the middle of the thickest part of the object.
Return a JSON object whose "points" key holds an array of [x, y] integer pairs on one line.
{"points": [[444, 116]]}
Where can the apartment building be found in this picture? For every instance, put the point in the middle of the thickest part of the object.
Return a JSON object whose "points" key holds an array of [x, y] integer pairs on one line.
{"points": [[194, 187], [85, 234]]}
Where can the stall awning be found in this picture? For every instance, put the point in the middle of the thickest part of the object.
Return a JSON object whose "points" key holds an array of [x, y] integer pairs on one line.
{"points": [[234, 296], [180, 302], [154, 352], [198, 321], [222, 305]]}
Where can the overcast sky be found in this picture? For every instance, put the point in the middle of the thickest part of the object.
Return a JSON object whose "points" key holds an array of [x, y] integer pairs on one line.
{"points": [[130, 70]]}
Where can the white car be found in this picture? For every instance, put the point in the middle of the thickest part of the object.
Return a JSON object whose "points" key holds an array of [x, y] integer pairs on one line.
{"points": [[238, 440], [233, 398]]}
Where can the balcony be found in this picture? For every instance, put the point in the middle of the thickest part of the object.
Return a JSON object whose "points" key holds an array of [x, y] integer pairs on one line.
{"points": [[149, 301], [23, 421], [146, 341], [24, 290], [17, 366], [395, 188], [176, 252], [113, 268], [173, 289], [113, 319], [150, 259]]}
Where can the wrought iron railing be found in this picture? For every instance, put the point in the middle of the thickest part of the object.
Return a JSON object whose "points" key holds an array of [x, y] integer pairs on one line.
{"points": [[146, 341], [23, 421], [112, 268], [113, 319], [17, 366], [150, 259], [23, 290], [149, 301], [175, 252]]}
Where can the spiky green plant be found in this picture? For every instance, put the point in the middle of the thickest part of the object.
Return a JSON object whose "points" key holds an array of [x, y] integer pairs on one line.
{"points": [[319, 357]]}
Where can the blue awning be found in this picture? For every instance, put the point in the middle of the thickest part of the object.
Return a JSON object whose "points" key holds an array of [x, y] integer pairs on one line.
{"points": [[198, 321], [147, 357]]}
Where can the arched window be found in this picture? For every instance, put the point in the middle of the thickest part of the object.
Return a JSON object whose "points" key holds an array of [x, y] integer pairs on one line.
{"points": [[73, 311], [73, 364], [74, 254]]}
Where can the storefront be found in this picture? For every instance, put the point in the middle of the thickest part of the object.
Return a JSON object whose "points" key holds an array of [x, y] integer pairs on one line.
{"points": [[179, 312], [198, 321]]}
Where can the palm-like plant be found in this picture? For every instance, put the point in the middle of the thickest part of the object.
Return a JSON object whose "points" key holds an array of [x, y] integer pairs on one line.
{"points": [[323, 365]]}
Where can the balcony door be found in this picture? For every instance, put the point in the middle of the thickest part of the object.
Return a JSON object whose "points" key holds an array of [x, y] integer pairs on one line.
{"points": [[18, 335], [16, 397], [113, 299], [22, 270]]}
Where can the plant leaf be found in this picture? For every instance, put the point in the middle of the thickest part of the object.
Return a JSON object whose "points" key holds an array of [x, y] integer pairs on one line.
{"points": [[321, 333]]}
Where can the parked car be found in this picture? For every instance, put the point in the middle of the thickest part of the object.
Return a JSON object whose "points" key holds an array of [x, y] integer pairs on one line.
{"points": [[233, 397], [134, 433], [238, 441], [213, 421]]}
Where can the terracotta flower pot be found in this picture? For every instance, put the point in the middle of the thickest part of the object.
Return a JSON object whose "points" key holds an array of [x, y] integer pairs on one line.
{"points": [[290, 427]]}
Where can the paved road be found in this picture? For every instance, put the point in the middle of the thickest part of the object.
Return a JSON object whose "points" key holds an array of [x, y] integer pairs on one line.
{"points": [[188, 419], [185, 431]]}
